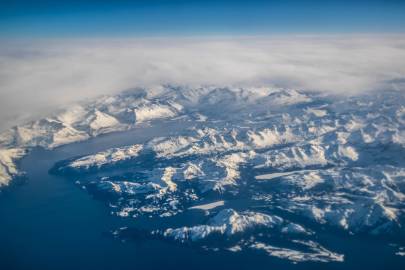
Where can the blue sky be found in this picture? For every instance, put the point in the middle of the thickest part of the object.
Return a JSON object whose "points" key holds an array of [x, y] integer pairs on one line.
{"points": [[62, 18]]}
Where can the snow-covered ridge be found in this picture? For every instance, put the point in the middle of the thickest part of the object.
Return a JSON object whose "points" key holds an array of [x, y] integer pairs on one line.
{"points": [[8, 168], [230, 224], [108, 157], [226, 222], [315, 253]]}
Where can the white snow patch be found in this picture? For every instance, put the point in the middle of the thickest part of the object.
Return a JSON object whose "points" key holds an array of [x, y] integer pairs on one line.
{"points": [[103, 123], [317, 112], [271, 176], [153, 112], [208, 206]]}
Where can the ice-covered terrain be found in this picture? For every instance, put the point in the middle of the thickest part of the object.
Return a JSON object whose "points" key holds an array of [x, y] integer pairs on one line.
{"points": [[270, 168]]}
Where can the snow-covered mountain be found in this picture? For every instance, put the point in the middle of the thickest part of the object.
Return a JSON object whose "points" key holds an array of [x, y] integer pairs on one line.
{"points": [[303, 161], [124, 111]]}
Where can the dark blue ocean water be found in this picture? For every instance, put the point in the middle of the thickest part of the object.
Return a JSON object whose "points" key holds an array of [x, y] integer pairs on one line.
{"points": [[48, 222]]}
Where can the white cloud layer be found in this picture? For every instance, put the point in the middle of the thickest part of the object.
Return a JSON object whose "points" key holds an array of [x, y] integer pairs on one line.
{"points": [[39, 76]]}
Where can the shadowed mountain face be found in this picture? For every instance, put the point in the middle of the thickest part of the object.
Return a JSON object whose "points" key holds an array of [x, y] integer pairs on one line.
{"points": [[271, 169]]}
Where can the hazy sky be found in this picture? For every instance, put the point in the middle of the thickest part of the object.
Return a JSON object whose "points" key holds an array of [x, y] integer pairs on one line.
{"points": [[53, 53]]}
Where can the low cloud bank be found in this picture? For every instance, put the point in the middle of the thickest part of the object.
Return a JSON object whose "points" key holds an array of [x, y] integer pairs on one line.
{"points": [[39, 76]]}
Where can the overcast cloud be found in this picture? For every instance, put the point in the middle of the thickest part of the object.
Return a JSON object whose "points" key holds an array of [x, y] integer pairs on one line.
{"points": [[39, 76]]}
